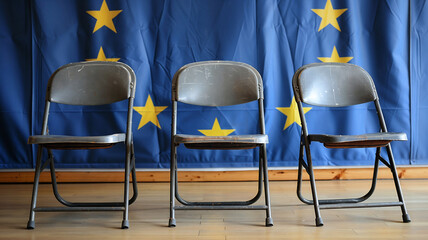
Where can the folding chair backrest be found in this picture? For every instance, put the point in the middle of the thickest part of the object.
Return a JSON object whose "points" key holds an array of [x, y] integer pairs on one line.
{"points": [[91, 83], [333, 85], [217, 83]]}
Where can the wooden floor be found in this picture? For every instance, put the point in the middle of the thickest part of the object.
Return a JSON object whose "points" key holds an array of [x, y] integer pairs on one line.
{"points": [[149, 214]]}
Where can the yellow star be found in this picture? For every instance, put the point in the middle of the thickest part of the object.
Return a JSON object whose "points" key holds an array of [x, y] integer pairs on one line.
{"points": [[102, 57], [329, 15], [149, 113], [335, 57], [104, 17], [292, 113], [216, 130]]}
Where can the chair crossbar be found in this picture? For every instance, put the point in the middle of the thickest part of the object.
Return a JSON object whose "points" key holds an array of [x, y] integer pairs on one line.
{"points": [[360, 205], [78, 209], [253, 207]]}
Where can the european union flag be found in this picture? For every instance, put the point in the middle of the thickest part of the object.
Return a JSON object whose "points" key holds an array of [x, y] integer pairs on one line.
{"points": [[15, 81], [157, 37]]}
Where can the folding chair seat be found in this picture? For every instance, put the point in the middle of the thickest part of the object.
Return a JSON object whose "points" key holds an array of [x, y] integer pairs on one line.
{"points": [[217, 84], [341, 85], [86, 84]]}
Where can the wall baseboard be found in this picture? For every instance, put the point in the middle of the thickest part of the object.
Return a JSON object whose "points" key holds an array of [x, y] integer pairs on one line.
{"points": [[212, 176]]}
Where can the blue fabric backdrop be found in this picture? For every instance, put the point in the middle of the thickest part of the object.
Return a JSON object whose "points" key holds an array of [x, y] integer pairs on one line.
{"points": [[156, 37]]}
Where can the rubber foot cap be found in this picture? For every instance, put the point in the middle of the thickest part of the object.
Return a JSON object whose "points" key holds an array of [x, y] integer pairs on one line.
{"points": [[125, 224], [31, 225], [318, 222], [406, 218], [269, 222], [171, 222]]}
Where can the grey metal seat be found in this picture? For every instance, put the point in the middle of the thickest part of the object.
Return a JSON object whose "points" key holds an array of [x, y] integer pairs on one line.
{"points": [[221, 142], [77, 142], [87, 83], [380, 139], [340, 85], [216, 84]]}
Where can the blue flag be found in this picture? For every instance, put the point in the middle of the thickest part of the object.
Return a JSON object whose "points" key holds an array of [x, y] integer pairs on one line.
{"points": [[157, 37], [16, 86]]}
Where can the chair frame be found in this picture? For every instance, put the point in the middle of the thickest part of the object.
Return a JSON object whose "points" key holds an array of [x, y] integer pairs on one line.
{"points": [[263, 181], [305, 150], [129, 160]]}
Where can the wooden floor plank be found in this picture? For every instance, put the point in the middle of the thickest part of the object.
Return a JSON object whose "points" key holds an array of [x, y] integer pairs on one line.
{"points": [[149, 214]]}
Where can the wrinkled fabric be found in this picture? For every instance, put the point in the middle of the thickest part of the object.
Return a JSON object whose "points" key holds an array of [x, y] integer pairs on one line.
{"points": [[157, 37]]}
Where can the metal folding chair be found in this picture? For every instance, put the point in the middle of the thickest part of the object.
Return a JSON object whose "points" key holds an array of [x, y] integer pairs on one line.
{"points": [[214, 84], [86, 83], [340, 85]]}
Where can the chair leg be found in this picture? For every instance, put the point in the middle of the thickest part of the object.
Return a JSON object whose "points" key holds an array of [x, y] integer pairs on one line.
{"points": [[86, 206], [299, 178], [172, 181], [54, 182], [269, 220], [351, 202], [405, 215], [125, 221], [31, 223], [318, 219], [134, 179], [220, 205], [342, 200]]}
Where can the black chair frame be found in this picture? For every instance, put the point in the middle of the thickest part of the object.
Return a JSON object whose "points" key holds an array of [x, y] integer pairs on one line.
{"points": [[229, 143], [377, 140], [53, 142]]}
